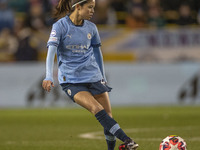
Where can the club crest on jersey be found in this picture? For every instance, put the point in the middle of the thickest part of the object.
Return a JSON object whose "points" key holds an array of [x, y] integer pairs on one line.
{"points": [[69, 35], [89, 36], [53, 33]]}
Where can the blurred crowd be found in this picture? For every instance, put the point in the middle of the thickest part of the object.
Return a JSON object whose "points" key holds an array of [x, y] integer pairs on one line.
{"points": [[148, 13], [24, 24]]}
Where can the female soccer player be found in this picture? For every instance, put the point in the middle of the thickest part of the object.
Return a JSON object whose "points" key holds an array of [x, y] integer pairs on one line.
{"points": [[80, 66]]}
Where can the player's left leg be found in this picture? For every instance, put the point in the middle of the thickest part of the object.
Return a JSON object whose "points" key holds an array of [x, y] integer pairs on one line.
{"points": [[103, 99]]}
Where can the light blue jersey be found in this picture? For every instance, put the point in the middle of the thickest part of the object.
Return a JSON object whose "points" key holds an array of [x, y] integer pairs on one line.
{"points": [[76, 61]]}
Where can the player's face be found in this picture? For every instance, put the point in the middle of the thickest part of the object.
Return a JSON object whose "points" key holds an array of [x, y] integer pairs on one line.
{"points": [[87, 10]]}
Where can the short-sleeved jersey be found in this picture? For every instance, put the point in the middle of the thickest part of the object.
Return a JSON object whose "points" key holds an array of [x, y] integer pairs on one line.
{"points": [[76, 61]]}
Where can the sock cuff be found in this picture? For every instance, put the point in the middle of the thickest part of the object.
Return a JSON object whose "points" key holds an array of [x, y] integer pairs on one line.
{"points": [[114, 128]]}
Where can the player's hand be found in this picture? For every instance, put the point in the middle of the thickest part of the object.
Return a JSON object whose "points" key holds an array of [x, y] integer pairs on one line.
{"points": [[47, 84]]}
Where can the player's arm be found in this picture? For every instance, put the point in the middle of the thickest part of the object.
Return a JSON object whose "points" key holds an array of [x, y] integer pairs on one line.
{"points": [[48, 81], [99, 60], [96, 43]]}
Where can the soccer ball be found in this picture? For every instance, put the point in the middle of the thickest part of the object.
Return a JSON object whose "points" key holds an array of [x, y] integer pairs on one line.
{"points": [[173, 142]]}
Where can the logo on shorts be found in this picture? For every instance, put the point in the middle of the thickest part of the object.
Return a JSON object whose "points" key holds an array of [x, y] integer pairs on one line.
{"points": [[69, 92], [103, 82]]}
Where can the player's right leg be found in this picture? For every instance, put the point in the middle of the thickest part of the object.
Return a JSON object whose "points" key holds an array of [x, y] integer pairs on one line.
{"points": [[129, 144], [86, 100]]}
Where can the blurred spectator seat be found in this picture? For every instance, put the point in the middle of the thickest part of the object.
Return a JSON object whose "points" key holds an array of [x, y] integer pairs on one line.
{"points": [[155, 18], [21, 6], [136, 18], [6, 16], [170, 5], [8, 45], [154, 14], [120, 7], [185, 15], [104, 13], [26, 50], [171, 16]]}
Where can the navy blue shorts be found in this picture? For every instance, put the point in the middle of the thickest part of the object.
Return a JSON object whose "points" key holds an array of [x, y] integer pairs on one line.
{"points": [[94, 88]]}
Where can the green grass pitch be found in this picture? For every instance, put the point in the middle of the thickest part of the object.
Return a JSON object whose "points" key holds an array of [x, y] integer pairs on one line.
{"points": [[77, 129]]}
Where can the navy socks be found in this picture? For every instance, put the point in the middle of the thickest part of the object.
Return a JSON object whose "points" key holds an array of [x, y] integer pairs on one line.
{"points": [[110, 139], [111, 125]]}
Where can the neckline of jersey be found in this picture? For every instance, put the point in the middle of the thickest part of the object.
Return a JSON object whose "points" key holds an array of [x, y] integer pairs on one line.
{"points": [[73, 23]]}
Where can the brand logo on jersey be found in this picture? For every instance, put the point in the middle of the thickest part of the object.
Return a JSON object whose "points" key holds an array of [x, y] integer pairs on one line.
{"points": [[89, 36], [78, 47], [69, 92], [53, 33]]}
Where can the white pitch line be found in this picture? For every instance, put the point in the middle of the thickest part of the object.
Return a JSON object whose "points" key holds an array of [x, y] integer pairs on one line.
{"points": [[99, 135], [92, 135]]}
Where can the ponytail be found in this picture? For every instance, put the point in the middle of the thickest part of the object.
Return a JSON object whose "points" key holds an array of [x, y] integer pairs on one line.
{"points": [[66, 7], [63, 7]]}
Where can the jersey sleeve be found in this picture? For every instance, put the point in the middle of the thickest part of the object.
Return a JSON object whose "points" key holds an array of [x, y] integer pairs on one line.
{"points": [[55, 35], [50, 62], [96, 42], [99, 59]]}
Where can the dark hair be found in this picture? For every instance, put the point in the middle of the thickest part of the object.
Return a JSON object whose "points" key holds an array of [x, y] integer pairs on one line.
{"points": [[65, 7]]}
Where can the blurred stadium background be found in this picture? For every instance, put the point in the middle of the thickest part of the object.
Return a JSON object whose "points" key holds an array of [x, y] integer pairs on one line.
{"points": [[150, 47], [151, 50]]}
